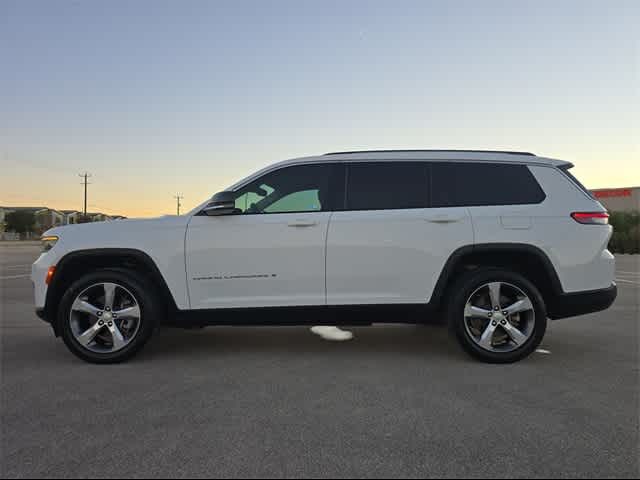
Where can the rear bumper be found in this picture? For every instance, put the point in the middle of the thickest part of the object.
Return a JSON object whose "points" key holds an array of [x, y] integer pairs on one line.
{"points": [[581, 303]]}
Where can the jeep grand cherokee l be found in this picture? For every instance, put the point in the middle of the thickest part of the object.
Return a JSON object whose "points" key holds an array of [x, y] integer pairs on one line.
{"points": [[494, 242]]}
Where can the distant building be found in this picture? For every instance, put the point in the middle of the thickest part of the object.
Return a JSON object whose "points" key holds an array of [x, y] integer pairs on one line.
{"points": [[71, 217], [619, 199], [98, 217], [46, 218]]}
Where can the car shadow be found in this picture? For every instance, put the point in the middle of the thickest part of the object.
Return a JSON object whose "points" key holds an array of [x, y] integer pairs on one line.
{"points": [[433, 341]]}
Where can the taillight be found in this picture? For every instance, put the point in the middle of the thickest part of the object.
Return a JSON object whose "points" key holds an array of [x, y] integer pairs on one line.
{"points": [[591, 218]]}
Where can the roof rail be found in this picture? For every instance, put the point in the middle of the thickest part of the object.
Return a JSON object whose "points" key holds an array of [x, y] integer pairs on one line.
{"points": [[434, 151]]}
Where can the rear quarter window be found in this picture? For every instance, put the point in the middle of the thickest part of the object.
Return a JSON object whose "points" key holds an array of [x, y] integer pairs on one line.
{"points": [[459, 184]]}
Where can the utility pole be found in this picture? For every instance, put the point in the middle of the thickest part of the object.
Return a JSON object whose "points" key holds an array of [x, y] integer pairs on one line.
{"points": [[86, 176], [178, 197]]}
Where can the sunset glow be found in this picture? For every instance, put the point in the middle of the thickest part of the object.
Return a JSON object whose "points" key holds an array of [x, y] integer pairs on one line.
{"points": [[156, 99]]}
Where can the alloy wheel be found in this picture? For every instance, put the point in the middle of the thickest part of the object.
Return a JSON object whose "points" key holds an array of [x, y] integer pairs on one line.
{"points": [[105, 318], [499, 317]]}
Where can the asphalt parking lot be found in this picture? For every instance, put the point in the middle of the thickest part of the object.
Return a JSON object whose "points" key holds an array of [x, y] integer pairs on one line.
{"points": [[397, 401]]}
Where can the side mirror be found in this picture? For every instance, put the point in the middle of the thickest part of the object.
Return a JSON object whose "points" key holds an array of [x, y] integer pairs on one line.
{"points": [[222, 203]]}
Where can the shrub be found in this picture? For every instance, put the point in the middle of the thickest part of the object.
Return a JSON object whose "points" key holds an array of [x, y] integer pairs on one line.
{"points": [[626, 232], [20, 221]]}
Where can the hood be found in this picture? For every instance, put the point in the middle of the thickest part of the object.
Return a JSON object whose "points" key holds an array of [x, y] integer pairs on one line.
{"points": [[117, 231]]}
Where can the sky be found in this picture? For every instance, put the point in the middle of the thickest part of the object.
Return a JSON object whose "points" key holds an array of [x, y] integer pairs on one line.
{"points": [[155, 98]]}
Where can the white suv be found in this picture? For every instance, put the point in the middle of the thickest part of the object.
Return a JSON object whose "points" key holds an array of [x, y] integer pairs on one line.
{"points": [[493, 242]]}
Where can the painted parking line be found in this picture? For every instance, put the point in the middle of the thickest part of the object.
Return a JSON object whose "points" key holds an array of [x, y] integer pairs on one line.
{"points": [[627, 281], [627, 276], [12, 267], [14, 277], [635, 274]]}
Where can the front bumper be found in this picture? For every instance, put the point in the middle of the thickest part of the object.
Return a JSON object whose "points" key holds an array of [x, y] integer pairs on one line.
{"points": [[42, 315], [581, 303]]}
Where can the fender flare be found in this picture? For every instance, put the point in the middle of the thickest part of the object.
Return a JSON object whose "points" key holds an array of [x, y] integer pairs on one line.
{"points": [[63, 265], [456, 257]]}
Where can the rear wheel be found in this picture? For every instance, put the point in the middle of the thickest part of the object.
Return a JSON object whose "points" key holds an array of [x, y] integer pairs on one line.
{"points": [[108, 316], [498, 316]]}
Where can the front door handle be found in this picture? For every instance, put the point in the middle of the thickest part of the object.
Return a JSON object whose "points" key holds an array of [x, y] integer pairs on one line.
{"points": [[443, 219], [303, 223]]}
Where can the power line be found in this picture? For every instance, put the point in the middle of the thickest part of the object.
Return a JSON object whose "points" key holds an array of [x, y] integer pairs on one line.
{"points": [[178, 197], [86, 176]]}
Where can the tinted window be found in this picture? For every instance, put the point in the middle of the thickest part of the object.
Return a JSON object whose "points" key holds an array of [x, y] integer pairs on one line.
{"points": [[476, 184], [382, 186], [301, 188]]}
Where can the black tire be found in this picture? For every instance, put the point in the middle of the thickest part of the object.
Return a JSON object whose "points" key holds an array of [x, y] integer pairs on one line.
{"points": [[151, 313], [469, 283]]}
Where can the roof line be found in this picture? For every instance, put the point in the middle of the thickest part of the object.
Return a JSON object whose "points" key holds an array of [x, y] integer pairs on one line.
{"points": [[529, 154]]}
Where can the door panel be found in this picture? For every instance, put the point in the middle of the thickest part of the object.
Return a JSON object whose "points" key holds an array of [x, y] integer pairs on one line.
{"points": [[271, 251], [257, 260], [391, 256]]}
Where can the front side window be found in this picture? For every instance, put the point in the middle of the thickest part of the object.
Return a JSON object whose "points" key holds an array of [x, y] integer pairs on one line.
{"points": [[386, 186], [300, 188]]}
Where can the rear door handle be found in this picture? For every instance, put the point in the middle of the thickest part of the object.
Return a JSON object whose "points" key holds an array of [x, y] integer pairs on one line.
{"points": [[303, 223]]}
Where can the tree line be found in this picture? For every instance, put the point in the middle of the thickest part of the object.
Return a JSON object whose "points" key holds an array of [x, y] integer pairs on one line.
{"points": [[24, 221]]}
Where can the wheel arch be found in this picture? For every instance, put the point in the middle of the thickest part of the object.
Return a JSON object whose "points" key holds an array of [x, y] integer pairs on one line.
{"points": [[80, 262], [528, 260]]}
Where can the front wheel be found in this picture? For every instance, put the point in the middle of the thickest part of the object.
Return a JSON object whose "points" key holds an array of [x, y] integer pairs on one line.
{"points": [[107, 316], [498, 316]]}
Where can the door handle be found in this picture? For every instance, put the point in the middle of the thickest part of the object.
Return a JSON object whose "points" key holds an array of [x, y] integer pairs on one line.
{"points": [[303, 223], [442, 219]]}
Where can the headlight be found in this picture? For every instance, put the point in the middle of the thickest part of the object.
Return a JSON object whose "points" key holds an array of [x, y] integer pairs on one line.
{"points": [[48, 242]]}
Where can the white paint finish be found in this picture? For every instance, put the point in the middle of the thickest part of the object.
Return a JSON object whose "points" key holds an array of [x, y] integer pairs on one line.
{"points": [[162, 239], [257, 260], [391, 256], [578, 252], [369, 257]]}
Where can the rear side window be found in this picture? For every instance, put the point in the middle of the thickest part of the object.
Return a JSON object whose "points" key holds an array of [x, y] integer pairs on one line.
{"points": [[386, 186], [481, 184]]}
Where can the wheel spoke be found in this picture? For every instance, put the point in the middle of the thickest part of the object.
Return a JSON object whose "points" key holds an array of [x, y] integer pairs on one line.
{"points": [[87, 337], [521, 305], [473, 311], [130, 312], [109, 295], [494, 294], [486, 340], [116, 335], [516, 335], [85, 307]]}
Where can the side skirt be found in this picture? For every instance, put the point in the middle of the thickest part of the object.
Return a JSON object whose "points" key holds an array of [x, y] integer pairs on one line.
{"points": [[338, 315]]}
